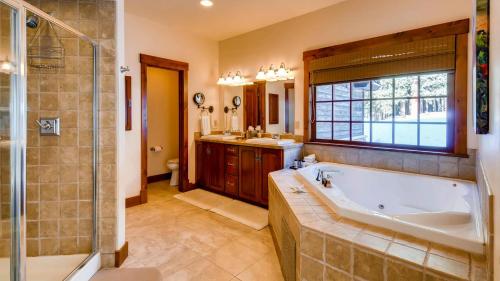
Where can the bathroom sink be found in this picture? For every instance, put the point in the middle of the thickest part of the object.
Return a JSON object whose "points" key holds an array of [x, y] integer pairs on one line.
{"points": [[218, 137], [270, 141]]}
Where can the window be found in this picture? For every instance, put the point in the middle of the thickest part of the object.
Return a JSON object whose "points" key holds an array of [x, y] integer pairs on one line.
{"points": [[409, 111], [401, 91]]}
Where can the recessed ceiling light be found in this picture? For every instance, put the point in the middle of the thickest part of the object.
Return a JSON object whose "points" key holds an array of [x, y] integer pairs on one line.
{"points": [[207, 3]]}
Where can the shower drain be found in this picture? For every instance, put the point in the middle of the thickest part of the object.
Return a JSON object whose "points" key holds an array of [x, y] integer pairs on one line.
{"points": [[381, 206]]}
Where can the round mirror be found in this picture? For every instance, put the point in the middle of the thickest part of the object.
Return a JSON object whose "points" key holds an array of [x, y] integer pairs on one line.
{"points": [[199, 99], [237, 101]]}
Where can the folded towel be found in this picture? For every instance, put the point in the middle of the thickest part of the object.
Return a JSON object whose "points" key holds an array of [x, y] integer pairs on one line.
{"points": [[205, 125], [310, 158], [235, 123]]}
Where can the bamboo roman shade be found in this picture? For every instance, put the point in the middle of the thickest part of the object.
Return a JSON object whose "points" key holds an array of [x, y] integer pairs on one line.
{"points": [[434, 54]]}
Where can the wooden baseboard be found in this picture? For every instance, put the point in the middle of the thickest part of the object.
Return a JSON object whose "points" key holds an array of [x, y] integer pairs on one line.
{"points": [[133, 201], [121, 255], [160, 177]]}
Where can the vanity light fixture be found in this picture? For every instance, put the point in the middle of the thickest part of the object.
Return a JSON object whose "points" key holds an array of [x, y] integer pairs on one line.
{"points": [[272, 74], [206, 3], [233, 80]]}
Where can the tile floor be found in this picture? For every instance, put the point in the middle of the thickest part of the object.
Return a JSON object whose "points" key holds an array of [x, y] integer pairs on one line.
{"points": [[187, 243]]}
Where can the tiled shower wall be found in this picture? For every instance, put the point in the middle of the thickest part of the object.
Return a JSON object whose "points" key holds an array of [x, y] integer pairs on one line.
{"points": [[4, 137], [59, 172], [445, 166]]}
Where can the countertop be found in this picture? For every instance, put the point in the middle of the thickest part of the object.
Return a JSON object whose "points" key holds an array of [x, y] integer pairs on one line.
{"points": [[243, 143]]}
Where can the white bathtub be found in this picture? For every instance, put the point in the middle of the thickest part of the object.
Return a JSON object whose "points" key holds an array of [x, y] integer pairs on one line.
{"points": [[440, 210]]}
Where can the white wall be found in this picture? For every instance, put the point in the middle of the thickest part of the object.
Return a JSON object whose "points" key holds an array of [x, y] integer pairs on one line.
{"points": [[120, 139], [344, 22], [489, 145], [157, 39]]}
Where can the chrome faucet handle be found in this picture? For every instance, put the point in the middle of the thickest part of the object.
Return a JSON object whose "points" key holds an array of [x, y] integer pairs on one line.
{"points": [[45, 125]]}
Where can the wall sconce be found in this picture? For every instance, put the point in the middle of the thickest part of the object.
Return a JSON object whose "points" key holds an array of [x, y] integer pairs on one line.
{"points": [[233, 80], [272, 74]]}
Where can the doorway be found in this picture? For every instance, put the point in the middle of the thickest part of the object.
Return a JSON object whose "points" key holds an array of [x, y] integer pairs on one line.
{"points": [[154, 136]]}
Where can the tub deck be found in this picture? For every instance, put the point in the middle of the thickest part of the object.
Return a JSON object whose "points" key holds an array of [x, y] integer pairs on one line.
{"points": [[341, 248]]}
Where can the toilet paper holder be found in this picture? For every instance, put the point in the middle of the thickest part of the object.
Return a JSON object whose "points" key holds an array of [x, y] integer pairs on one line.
{"points": [[156, 148]]}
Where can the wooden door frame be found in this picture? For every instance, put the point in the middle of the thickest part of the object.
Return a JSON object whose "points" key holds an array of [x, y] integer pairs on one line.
{"points": [[288, 86], [182, 68]]}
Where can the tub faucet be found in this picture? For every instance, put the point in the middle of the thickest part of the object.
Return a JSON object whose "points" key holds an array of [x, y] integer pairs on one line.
{"points": [[325, 178]]}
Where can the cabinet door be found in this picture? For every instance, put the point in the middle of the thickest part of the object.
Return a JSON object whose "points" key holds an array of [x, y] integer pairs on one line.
{"points": [[272, 160], [204, 164], [250, 173], [215, 166], [199, 163]]}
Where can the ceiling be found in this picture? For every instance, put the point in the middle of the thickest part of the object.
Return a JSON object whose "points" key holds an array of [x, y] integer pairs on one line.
{"points": [[226, 18]]}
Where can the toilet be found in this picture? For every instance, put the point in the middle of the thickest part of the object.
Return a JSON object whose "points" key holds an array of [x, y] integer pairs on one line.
{"points": [[173, 165]]}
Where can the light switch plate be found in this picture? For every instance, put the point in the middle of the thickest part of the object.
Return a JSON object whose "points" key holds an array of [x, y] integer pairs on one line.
{"points": [[49, 127]]}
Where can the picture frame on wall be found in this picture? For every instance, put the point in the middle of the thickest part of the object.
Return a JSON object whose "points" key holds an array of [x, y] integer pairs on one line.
{"points": [[481, 75]]}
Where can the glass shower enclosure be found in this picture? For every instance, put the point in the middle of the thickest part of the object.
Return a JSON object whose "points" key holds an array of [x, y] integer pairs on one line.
{"points": [[48, 145]]}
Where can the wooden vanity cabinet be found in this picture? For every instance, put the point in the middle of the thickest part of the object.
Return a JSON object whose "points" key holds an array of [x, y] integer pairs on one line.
{"points": [[255, 166], [210, 166], [240, 172]]}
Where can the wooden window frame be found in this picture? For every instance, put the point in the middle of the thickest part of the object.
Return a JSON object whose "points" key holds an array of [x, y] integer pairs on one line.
{"points": [[457, 106]]}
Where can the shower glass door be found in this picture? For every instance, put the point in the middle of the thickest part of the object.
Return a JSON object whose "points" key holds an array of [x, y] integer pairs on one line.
{"points": [[48, 141], [10, 145]]}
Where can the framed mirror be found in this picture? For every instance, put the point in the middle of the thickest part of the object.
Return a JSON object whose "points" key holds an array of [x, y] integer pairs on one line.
{"points": [[199, 99], [270, 105], [237, 101]]}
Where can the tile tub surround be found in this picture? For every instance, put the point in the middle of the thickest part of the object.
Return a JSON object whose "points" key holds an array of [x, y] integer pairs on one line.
{"points": [[434, 165], [67, 200], [332, 248]]}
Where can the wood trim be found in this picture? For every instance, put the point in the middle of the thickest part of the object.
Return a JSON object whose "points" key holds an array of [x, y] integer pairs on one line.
{"points": [[160, 177], [133, 201], [163, 63], [288, 86], [128, 103], [121, 254], [182, 68], [460, 106], [307, 102], [439, 30]]}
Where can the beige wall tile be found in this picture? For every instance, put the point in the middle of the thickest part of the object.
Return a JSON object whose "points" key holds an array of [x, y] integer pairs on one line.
{"points": [[310, 270], [338, 254], [312, 243], [368, 266], [397, 271]]}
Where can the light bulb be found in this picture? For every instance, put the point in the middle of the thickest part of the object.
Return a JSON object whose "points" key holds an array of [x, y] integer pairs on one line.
{"points": [[237, 78], [281, 73], [271, 74], [261, 75], [221, 81], [290, 75], [206, 3]]}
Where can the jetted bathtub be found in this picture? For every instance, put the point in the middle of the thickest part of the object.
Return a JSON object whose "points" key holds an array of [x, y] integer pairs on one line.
{"points": [[440, 210]]}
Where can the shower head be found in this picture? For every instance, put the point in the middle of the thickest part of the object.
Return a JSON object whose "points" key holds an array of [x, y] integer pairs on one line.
{"points": [[32, 21]]}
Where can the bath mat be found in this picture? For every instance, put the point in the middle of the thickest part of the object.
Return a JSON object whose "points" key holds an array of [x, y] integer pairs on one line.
{"points": [[203, 199], [244, 213]]}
